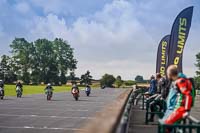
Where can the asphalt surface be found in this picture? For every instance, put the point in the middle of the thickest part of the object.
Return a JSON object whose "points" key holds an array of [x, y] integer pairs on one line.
{"points": [[34, 114]]}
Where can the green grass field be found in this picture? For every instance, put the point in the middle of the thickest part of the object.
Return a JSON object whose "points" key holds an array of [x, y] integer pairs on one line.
{"points": [[38, 89], [29, 89]]}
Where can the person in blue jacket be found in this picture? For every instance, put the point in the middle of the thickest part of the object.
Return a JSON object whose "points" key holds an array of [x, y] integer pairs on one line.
{"points": [[153, 86]]}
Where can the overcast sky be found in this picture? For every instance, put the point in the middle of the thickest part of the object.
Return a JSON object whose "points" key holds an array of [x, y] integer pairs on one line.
{"points": [[119, 37]]}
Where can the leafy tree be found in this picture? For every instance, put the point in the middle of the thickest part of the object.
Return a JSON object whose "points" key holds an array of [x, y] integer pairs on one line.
{"points": [[3, 66], [86, 78], [35, 76], [107, 80], [65, 58], [43, 60], [22, 55], [63, 78], [6, 69], [198, 64], [197, 82], [139, 78], [197, 78], [118, 81], [72, 77]]}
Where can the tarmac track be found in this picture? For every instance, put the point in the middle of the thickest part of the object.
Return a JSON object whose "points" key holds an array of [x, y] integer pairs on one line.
{"points": [[34, 114]]}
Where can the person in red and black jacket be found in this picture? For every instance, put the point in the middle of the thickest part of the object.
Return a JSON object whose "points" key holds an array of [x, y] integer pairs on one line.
{"points": [[180, 103]]}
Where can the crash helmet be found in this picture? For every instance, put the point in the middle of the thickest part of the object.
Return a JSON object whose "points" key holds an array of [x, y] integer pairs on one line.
{"points": [[87, 85], [48, 84], [74, 86]]}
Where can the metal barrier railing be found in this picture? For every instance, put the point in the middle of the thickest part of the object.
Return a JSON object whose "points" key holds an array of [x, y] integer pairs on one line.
{"points": [[140, 94], [124, 122], [152, 101], [123, 125], [188, 125]]}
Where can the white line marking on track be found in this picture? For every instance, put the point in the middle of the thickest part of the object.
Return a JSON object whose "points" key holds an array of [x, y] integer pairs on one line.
{"points": [[78, 110], [42, 128], [55, 105], [58, 117], [27, 127]]}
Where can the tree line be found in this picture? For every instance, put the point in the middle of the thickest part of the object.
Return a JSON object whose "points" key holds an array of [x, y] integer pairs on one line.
{"points": [[109, 80], [39, 61], [46, 61]]}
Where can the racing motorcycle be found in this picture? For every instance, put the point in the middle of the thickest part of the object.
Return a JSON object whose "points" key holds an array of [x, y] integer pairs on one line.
{"points": [[75, 94], [49, 94], [87, 91], [1, 93], [19, 92]]}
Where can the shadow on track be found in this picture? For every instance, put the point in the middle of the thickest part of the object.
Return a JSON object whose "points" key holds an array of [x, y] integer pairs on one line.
{"points": [[57, 100], [92, 96], [82, 100], [7, 99]]}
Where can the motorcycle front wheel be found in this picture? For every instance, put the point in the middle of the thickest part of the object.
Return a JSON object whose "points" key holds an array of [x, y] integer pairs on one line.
{"points": [[48, 98], [76, 98]]}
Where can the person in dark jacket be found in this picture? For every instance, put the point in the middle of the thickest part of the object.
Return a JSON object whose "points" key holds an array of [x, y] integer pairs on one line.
{"points": [[19, 85], [49, 88]]}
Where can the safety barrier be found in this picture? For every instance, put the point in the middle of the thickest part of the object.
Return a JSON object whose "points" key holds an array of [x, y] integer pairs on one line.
{"points": [[140, 94], [153, 101], [124, 121], [188, 125], [136, 95]]}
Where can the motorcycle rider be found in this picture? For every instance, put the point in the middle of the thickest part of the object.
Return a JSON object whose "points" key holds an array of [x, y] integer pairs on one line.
{"points": [[88, 87], [49, 87], [179, 100], [2, 86], [20, 86], [75, 87]]}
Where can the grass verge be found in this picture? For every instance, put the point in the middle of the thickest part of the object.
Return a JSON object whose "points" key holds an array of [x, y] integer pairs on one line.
{"points": [[29, 89]]}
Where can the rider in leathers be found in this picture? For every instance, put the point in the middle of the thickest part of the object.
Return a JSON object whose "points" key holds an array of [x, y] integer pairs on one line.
{"points": [[179, 99]]}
